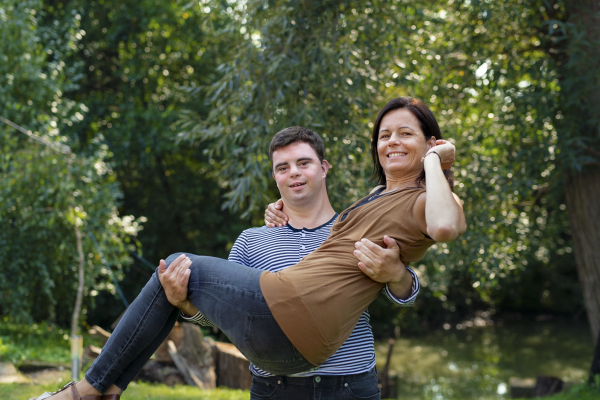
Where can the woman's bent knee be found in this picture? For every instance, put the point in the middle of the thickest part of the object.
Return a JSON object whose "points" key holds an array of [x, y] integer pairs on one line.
{"points": [[172, 258]]}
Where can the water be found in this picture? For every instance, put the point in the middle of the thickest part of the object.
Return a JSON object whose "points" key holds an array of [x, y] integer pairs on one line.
{"points": [[476, 362]]}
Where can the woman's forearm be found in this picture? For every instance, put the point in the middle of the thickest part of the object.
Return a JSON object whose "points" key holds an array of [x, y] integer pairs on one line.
{"points": [[444, 216]]}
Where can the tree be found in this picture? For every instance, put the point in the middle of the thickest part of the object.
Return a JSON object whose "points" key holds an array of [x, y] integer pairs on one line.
{"points": [[50, 198], [492, 73]]}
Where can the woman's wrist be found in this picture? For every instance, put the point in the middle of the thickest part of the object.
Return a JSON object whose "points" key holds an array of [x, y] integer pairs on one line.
{"points": [[432, 159]]}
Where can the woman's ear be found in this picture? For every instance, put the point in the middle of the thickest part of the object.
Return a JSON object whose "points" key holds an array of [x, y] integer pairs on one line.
{"points": [[431, 142]]}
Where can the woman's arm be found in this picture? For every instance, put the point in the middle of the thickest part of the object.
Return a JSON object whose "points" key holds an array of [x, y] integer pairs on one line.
{"points": [[438, 211]]}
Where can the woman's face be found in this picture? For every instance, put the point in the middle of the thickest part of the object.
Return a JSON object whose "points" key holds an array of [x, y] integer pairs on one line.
{"points": [[401, 144]]}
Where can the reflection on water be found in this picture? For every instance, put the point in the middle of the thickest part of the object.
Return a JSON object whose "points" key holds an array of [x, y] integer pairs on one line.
{"points": [[477, 362]]}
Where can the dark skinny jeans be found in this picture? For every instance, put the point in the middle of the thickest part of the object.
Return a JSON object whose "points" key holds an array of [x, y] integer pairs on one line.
{"points": [[226, 293]]}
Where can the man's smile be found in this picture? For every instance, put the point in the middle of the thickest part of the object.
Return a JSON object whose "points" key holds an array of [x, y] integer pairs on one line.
{"points": [[298, 184]]}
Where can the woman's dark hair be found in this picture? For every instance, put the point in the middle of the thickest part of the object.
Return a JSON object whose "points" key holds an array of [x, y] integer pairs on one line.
{"points": [[427, 123]]}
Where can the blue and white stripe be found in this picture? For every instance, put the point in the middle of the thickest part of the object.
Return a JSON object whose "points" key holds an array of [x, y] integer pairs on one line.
{"points": [[273, 249]]}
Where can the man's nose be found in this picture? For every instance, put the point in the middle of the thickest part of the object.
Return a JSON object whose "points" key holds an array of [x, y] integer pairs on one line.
{"points": [[294, 171]]}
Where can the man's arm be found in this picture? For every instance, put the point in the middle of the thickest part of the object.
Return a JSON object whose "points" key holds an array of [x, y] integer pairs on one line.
{"points": [[177, 289], [384, 265]]}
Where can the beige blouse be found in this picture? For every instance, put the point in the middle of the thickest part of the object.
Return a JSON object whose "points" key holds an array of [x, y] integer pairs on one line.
{"points": [[318, 301]]}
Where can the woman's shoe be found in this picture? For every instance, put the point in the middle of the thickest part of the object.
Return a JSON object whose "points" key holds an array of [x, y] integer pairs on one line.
{"points": [[74, 393]]}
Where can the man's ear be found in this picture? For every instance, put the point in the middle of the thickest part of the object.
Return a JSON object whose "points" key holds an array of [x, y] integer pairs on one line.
{"points": [[325, 167]]}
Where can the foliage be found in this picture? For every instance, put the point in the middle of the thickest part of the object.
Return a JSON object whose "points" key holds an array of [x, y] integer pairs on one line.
{"points": [[39, 342], [45, 189], [487, 71]]}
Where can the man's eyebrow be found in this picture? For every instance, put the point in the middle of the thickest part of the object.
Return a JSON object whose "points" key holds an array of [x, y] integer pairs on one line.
{"points": [[304, 159], [280, 164]]}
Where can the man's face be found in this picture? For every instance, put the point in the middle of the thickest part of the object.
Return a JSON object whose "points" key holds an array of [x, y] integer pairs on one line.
{"points": [[299, 174]]}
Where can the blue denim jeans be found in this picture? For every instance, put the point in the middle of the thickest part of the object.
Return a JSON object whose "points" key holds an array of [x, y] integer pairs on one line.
{"points": [[225, 292], [342, 387]]}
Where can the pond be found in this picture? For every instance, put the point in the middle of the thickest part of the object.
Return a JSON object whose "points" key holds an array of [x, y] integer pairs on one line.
{"points": [[475, 360]]}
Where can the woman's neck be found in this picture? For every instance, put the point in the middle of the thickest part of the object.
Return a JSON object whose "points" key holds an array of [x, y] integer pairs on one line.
{"points": [[398, 183]]}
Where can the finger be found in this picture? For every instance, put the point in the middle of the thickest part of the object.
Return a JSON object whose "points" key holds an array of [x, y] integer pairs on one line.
{"points": [[274, 216], [279, 204], [374, 249], [369, 261], [366, 270], [185, 278], [183, 267], [390, 243], [162, 267]]}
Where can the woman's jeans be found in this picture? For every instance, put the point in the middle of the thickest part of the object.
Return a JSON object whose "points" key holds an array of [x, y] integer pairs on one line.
{"points": [[226, 293]]}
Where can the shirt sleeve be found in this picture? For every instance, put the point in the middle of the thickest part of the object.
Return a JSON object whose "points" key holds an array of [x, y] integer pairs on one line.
{"points": [[413, 294], [197, 319], [238, 254]]}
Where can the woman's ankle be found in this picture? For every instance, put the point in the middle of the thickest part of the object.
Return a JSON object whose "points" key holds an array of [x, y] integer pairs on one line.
{"points": [[113, 389], [86, 389]]}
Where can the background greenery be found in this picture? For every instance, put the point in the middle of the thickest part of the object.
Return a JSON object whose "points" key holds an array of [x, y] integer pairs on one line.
{"points": [[168, 107]]}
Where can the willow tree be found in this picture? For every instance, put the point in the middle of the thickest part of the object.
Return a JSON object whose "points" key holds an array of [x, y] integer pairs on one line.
{"points": [[510, 82], [51, 201]]}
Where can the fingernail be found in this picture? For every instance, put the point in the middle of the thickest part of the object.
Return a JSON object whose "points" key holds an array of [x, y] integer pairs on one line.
{"points": [[355, 252], [363, 240]]}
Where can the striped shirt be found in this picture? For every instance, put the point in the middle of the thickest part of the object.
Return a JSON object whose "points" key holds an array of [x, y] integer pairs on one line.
{"points": [[273, 249]]}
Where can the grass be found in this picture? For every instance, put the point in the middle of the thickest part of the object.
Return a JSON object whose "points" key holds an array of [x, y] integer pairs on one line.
{"points": [[136, 391], [39, 342], [147, 391]]}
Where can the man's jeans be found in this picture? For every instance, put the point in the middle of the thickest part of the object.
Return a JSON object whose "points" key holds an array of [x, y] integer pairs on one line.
{"points": [[341, 387], [226, 293]]}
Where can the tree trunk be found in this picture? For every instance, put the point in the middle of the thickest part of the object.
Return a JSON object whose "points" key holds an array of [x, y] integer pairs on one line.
{"points": [[583, 194], [79, 297], [583, 187]]}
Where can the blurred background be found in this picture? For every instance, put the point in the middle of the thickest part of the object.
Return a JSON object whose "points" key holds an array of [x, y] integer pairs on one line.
{"points": [[131, 130]]}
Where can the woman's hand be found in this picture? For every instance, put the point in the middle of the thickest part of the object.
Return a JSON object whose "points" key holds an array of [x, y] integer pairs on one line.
{"points": [[274, 216], [446, 151]]}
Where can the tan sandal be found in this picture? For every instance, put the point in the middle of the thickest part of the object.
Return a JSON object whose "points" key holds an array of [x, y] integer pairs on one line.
{"points": [[74, 393]]}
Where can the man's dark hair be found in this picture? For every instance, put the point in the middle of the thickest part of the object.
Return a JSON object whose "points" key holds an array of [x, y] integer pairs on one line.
{"points": [[295, 134]]}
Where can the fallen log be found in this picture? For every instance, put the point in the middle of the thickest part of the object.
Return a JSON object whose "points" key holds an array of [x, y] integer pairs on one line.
{"points": [[232, 367]]}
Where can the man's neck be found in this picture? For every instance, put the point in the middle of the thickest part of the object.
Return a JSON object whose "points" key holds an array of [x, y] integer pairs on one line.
{"points": [[309, 215]]}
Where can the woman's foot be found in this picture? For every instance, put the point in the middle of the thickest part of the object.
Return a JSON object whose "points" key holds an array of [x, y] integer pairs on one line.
{"points": [[72, 391]]}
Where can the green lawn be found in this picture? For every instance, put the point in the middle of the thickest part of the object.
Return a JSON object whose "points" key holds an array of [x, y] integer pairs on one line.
{"points": [[136, 391]]}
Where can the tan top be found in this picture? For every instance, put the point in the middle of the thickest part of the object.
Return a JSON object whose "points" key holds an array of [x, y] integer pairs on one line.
{"points": [[318, 301]]}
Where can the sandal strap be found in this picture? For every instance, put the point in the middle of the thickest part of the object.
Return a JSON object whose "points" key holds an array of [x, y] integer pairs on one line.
{"points": [[111, 397]]}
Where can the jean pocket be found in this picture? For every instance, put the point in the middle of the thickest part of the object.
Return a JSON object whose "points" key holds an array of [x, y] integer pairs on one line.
{"points": [[363, 389], [262, 389], [265, 341]]}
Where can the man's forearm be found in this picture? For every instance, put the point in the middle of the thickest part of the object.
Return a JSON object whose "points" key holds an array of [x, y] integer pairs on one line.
{"points": [[188, 308], [403, 289]]}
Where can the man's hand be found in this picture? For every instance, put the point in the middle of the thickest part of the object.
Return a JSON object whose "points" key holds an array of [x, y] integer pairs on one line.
{"points": [[174, 281], [274, 216], [384, 265]]}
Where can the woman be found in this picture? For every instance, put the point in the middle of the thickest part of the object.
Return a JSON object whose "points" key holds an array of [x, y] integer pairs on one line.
{"points": [[294, 320]]}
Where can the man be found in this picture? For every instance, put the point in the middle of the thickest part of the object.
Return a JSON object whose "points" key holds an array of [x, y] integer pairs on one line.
{"points": [[300, 170]]}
